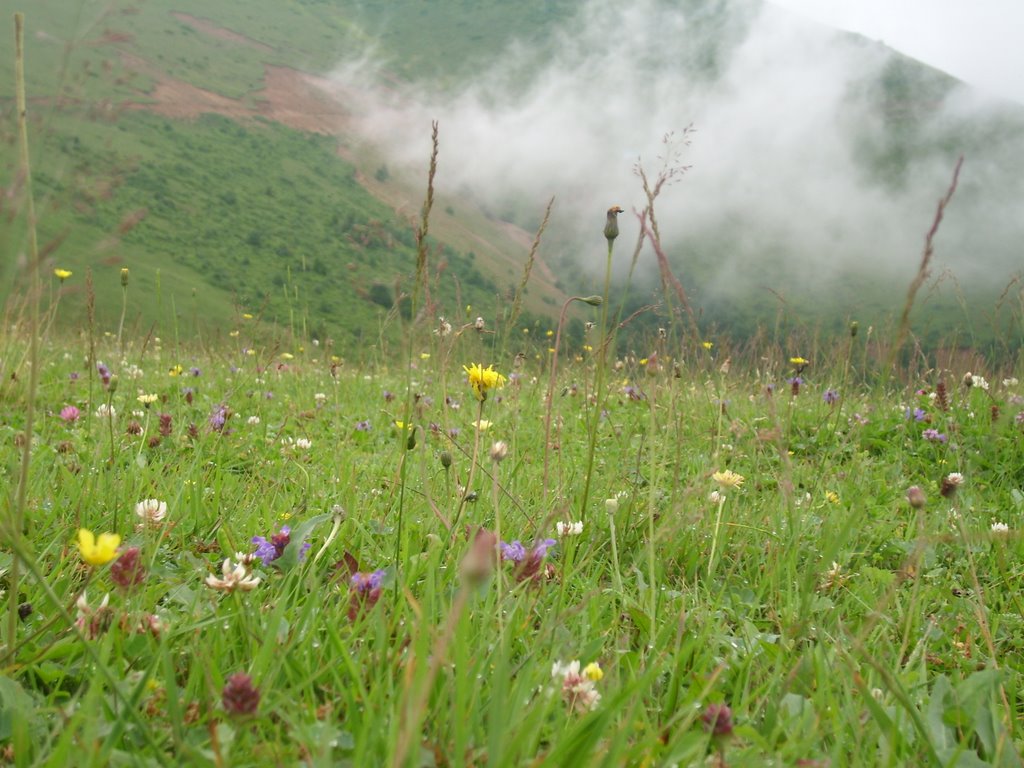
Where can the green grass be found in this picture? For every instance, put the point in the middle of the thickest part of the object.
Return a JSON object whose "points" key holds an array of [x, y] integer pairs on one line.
{"points": [[838, 623]]}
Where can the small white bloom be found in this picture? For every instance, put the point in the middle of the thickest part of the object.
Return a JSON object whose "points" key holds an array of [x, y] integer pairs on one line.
{"points": [[151, 511], [716, 497], [1011, 382], [238, 577], [253, 420], [1000, 527], [979, 382], [105, 411], [611, 506], [303, 444], [320, 398], [569, 529]]}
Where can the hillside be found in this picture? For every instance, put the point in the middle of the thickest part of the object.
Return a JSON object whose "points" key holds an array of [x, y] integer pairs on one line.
{"points": [[270, 159]]}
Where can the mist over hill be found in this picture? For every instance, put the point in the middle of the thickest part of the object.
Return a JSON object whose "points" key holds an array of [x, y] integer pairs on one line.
{"points": [[816, 161], [292, 138]]}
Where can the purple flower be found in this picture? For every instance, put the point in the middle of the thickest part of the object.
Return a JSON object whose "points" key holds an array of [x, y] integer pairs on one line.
{"points": [[363, 426], [514, 551], [69, 413], [918, 414], [1019, 418], [388, 396], [633, 393], [831, 396], [453, 432], [104, 373], [269, 551], [367, 582], [219, 417], [933, 435], [73, 376], [195, 371]]}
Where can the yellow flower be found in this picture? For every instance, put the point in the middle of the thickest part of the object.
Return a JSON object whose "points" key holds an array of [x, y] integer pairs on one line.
{"points": [[483, 425], [233, 334], [832, 497], [728, 479], [175, 370], [707, 344], [97, 552], [424, 355], [147, 399], [593, 671], [481, 379], [549, 334], [287, 356], [798, 361], [62, 274], [246, 316]]}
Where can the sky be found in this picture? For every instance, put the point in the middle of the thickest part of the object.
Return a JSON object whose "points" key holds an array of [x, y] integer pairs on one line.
{"points": [[978, 41]]}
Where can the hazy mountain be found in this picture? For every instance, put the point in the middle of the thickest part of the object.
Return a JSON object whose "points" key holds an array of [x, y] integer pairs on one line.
{"points": [[816, 159]]}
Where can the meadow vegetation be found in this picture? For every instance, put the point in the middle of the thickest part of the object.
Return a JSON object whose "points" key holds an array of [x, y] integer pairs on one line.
{"points": [[458, 543]]}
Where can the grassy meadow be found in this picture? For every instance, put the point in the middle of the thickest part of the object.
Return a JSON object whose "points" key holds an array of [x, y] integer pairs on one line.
{"points": [[699, 556]]}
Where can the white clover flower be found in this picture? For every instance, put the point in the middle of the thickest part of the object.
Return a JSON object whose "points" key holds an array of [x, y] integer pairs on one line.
{"points": [[569, 529], [1000, 528], [151, 511], [235, 577], [1011, 382], [979, 382], [105, 411], [253, 420], [320, 398]]}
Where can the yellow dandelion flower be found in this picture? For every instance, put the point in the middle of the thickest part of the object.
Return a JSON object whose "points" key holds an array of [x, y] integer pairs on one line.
{"points": [[97, 551], [798, 361], [707, 344], [482, 379], [62, 274], [728, 479]]}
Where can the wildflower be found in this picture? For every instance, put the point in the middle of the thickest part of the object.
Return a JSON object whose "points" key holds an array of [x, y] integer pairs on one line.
{"points": [[388, 395], [999, 528], [950, 483], [593, 671], [527, 563], [831, 497], [320, 398], [478, 325], [165, 427], [934, 436], [611, 506], [728, 479], [218, 417], [62, 274], [1011, 382], [569, 529], [235, 577], [253, 421], [611, 224], [104, 373], [151, 511], [716, 497], [831, 397], [794, 384], [175, 370], [707, 344], [799, 363], [128, 571], [365, 589], [578, 689], [269, 551], [717, 720], [978, 382], [97, 551], [916, 497], [499, 451], [93, 622], [633, 393], [482, 425], [70, 414], [482, 379], [444, 328], [919, 414], [363, 426], [239, 696]]}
